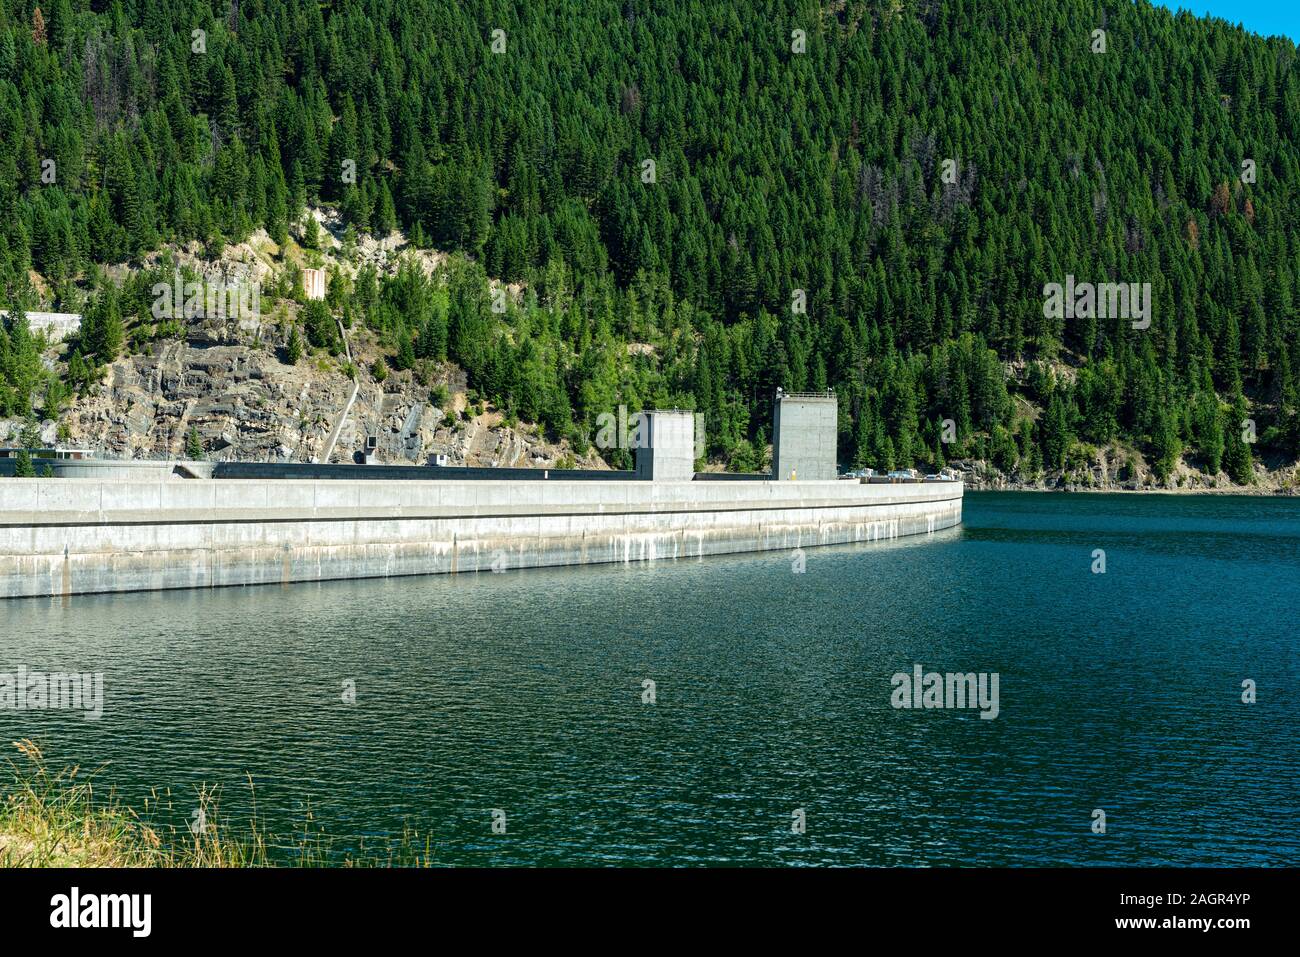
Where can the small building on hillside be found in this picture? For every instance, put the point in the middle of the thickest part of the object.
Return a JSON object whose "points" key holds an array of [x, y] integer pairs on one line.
{"points": [[313, 281], [57, 326]]}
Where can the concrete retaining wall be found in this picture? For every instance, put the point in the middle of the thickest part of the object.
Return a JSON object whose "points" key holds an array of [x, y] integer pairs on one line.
{"points": [[436, 473], [111, 470], [57, 326], [71, 536]]}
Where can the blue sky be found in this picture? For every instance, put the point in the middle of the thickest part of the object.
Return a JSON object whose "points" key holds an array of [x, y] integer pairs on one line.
{"points": [[1281, 17]]}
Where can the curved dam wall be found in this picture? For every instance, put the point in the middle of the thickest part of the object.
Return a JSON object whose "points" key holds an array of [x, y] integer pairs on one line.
{"points": [[74, 536]]}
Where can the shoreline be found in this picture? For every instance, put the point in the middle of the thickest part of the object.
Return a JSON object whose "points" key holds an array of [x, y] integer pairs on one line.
{"points": [[1240, 491], [1280, 482], [59, 818]]}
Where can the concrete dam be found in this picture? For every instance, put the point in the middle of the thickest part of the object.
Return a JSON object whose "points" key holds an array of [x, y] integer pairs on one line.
{"points": [[65, 536]]}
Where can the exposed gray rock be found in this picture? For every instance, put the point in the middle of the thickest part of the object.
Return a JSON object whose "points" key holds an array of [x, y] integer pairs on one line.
{"points": [[247, 405]]}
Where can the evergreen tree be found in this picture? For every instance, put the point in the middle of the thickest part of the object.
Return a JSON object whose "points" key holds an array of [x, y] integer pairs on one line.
{"points": [[193, 445], [23, 466], [1238, 460], [1207, 431], [1056, 434], [322, 331], [405, 358], [1165, 445], [104, 333]]}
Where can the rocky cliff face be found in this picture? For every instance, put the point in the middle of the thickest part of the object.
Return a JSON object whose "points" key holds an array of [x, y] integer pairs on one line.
{"points": [[230, 381], [244, 403], [247, 404]]}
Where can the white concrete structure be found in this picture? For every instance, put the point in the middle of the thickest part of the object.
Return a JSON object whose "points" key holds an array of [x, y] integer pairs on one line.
{"points": [[667, 449], [71, 536], [804, 436], [313, 281], [57, 326]]}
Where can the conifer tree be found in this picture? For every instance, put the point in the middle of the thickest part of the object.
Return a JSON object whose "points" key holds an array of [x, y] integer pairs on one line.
{"points": [[23, 465], [1238, 460]]}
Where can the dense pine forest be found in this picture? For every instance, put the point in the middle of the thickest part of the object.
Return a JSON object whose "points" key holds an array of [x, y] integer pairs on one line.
{"points": [[866, 196]]}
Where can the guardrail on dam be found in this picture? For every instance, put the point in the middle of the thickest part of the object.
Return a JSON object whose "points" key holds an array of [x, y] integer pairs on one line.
{"points": [[76, 536]]}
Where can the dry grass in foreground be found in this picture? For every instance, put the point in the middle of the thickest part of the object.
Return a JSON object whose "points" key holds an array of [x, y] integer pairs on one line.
{"points": [[58, 819]]}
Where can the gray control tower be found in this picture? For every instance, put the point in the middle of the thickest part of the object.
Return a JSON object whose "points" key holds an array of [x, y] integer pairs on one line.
{"points": [[666, 452], [804, 433]]}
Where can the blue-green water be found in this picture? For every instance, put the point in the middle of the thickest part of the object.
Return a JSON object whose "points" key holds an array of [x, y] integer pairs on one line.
{"points": [[523, 692]]}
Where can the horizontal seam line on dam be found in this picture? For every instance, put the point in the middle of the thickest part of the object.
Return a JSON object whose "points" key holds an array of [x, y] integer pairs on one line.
{"points": [[524, 512]]}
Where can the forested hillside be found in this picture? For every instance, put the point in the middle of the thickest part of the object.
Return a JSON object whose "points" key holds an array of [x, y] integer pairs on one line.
{"points": [[756, 194]]}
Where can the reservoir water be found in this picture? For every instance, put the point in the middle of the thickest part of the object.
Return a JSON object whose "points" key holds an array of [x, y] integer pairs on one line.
{"points": [[526, 693]]}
